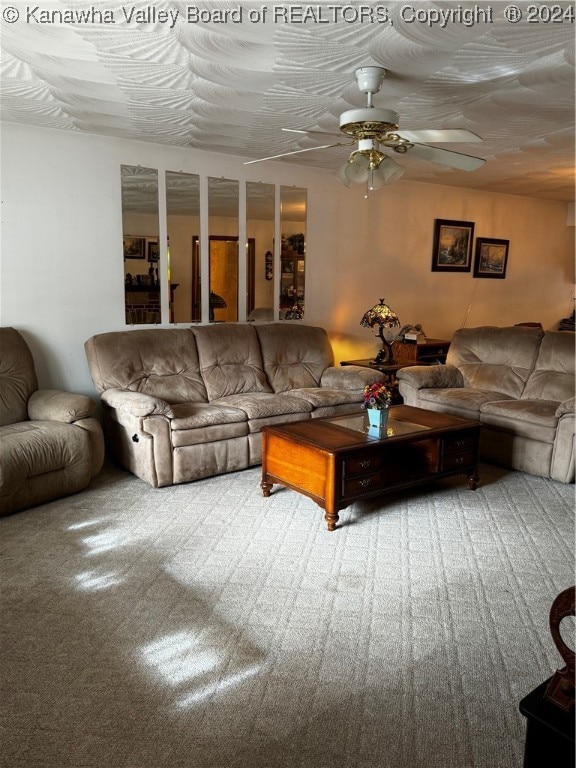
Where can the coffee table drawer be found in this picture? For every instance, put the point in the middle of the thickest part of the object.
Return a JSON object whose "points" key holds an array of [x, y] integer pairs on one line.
{"points": [[456, 460], [363, 464], [459, 444], [355, 485]]}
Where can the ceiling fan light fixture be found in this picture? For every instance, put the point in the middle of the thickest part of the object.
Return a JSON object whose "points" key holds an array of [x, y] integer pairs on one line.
{"points": [[387, 172], [355, 170]]}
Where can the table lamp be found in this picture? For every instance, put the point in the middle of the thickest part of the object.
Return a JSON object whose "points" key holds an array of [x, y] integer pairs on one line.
{"points": [[382, 316]]}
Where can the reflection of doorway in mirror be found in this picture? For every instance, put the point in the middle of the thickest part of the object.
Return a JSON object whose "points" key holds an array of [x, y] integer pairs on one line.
{"points": [[223, 278]]}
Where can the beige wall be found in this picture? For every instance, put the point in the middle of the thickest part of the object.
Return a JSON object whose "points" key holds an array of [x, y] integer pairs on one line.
{"points": [[62, 268], [384, 245]]}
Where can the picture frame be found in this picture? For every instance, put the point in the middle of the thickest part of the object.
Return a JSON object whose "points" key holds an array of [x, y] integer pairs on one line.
{"points": [[491, 257], [153, 251], [134, 247], [452, 250]]}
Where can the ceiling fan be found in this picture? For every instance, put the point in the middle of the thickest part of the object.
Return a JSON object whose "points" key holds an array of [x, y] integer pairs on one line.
{"points": [[375, 129]]}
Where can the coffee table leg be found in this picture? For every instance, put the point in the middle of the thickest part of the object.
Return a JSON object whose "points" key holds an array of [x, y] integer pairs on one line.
{"points": [[266, 488], [331, 519], [473, 481]]}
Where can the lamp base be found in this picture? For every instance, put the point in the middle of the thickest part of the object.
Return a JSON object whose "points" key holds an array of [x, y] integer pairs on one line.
{"points": [[385, 356]]}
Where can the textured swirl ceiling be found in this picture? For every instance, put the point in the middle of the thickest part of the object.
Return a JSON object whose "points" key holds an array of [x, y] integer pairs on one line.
{"points": [[153, 72]]}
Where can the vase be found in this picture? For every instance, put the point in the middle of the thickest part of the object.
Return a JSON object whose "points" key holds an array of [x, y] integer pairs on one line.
{"points": [[377, 420]]}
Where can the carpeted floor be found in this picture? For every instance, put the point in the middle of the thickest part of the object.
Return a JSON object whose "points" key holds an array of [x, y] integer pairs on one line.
{"points": [[203, 626]]}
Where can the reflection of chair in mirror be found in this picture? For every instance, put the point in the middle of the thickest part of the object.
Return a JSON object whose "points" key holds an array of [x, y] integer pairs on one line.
{"points": [[50, 443], [261, 313]]}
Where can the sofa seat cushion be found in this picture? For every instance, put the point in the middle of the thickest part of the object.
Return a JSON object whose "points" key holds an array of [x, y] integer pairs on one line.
{"points": [[320, 397], [263, 405], [198, 423], [460, 400], [199, 415], [32, 448], [534, 419], [210, 434]]}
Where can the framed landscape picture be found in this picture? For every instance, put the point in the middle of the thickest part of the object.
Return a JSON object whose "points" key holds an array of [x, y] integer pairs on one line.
{"points": [[134, 247], [491, 257], [452, 251]]}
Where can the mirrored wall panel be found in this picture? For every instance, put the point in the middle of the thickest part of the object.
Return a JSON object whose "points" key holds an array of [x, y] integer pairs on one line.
{"points": [[142, 277], [223, 201], [183, 226], [259, 251], [293, 213]]}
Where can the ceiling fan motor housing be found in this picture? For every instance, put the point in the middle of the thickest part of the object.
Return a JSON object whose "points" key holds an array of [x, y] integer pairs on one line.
{"points": [[368, 123]]}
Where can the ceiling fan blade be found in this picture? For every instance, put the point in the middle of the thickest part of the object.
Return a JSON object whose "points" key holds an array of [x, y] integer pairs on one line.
{"points": [[311, 131], [300, 151], [439, 136], [446, 157]]}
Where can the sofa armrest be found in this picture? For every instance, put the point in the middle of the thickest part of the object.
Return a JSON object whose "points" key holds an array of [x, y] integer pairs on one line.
{"points": [[349, 377], [136, 403], [566, 407], [431, 376], [56, 405]]}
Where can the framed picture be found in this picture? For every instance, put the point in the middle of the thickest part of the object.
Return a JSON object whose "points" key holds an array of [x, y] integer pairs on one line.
{"points": [[491, 257], [153, 250], [452, 250], [134, 247]]}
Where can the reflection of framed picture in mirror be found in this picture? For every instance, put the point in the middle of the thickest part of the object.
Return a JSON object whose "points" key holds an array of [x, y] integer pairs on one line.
{"points": [[452, 246], [153, 250], [491, 257], [134, 247]]}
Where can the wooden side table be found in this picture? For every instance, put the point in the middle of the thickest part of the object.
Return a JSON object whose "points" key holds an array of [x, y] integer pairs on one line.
{"points": [[549, 731], [549, 709], [429, 351]]}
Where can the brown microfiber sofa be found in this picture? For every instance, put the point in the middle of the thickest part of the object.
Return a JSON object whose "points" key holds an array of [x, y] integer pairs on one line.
{"points": [[519, 383], [181, 404], [51, 445]]}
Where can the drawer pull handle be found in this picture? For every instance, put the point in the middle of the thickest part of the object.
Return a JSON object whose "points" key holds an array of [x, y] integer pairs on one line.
{"points": [[365, 483], [366, 463], [460, 460]]}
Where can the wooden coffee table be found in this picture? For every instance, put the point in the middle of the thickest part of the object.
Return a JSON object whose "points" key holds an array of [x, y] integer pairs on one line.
{"points": [[335, 462]]}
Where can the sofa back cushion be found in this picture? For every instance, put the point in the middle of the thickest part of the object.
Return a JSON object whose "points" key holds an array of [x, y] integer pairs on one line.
{"points": [[294, 355], [495, 359], [230, 359], [17, 377], [553, 375], [162, 362]]}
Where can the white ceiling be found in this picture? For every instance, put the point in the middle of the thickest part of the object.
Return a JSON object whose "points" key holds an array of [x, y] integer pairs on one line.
{"points": [[230, 87]]}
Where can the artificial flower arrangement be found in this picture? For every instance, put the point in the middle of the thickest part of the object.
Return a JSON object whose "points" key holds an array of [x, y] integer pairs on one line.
{"points": [[377, 395]]}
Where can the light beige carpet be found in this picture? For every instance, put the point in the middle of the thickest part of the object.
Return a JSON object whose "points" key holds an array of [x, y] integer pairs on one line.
{"points": [[204, 626]]}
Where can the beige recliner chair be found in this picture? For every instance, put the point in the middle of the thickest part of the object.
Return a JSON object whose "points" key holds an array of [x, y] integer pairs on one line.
{"points": [[50, 443]]}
